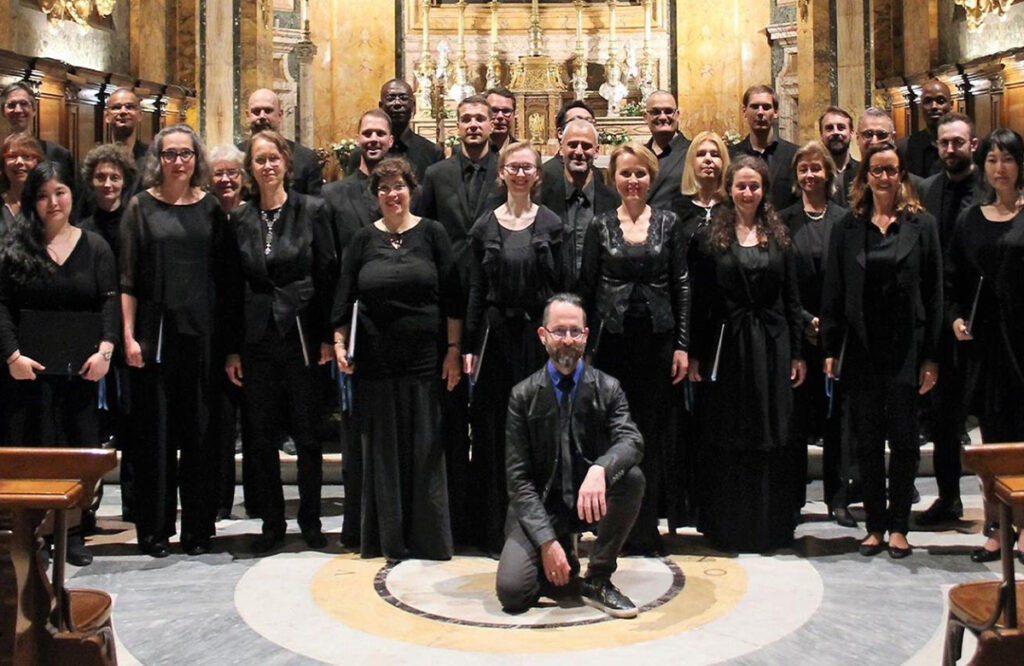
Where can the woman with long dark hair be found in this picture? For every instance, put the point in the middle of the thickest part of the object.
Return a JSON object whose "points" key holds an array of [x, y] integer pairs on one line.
{"points": [[47, 265], [634, 281], [747, 334], [984, 290], [172, 254], [517, 254], [880, 324]]}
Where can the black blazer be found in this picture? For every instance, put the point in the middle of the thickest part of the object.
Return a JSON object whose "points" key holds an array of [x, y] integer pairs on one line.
{"points": [[920, 155], [780, 169], [930, 190], [602, 432], [307, 176], [351, 207], [443, 198], [809, 277], [419, 151], [919, 281], [297, 285], [664, 192], [1009, 287]]}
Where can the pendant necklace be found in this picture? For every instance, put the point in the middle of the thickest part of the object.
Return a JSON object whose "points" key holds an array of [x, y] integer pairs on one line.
{"points": [[270, 218]]}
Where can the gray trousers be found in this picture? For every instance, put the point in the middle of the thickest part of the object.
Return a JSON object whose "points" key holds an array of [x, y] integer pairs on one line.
{"points": [[520, 574]]}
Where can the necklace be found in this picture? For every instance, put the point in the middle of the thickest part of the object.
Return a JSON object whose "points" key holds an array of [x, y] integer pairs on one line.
{"points": [[395, 239], [270, 218], [816, 216]]}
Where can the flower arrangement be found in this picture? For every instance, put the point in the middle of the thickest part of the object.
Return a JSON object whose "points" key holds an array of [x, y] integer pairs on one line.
{"points": [[633, 109], [612, 138], [343, 152], [731, 137], [451, 141]]}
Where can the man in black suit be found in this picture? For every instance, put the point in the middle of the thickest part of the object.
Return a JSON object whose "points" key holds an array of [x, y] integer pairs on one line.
{"points": [[503, 114], [919, 151], [835, 127], [456, 192], [122, 115], [662, 117], [264, 111], [761, 110], [945, 195], [571, 110], [577, 193], [18, 102], [572, 456], [397, 100]]}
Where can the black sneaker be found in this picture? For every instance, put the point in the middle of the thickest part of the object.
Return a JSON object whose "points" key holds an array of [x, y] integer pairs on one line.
{"points": [[599, 593]]}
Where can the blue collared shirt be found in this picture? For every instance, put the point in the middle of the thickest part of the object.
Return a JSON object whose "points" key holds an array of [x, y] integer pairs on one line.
{"points": [[556, 377]]}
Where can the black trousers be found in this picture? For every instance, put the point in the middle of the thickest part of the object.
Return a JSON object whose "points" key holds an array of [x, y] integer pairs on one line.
{"points": [[52, 411], [520, 574], [455, 435], [947, 414], [280, 397], [171, 414], [882, 409]]}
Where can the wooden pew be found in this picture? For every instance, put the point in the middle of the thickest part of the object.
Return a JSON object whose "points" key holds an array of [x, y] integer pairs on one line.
{"points": [[41, 621]]}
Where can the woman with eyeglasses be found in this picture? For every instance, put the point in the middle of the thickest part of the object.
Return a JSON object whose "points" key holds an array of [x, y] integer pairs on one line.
{"points": [[984, 291], [881, 317], [815, 414], [21, 153], [277, 305], [172, 253], [747, 358], [400, 274], [517, 254], [635, 283]]}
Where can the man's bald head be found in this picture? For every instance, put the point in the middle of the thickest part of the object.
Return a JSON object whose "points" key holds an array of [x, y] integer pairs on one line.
{"points": [[264, 111]]}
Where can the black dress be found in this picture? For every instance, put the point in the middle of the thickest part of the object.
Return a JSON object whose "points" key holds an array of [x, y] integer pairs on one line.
{"points": [[511, 278], [747, 315], [171, 258], [638, 298], [406, 286], [55, 410]]}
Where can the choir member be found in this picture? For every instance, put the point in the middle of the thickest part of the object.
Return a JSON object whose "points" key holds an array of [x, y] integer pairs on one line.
{"points": [[747, 326], [21, 154], [880, 321], [703, 181], [635, 284]]}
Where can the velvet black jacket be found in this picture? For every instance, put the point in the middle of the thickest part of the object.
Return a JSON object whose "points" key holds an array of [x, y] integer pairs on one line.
{"points": [[607, 276], [919, 285], [297, 284], [602, 432]]}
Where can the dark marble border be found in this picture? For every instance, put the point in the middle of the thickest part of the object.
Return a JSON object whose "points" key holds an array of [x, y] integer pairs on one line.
{"points": [[380, 585], [236, 55], [202, 67], [833, 52], [869, 65]]}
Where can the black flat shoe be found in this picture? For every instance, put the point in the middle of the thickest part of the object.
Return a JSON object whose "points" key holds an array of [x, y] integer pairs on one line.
{"points": [[843, 517], [157, 549], [899, 553], [870, 550], [267, 542], [314, 538], [196, 547], [985, 555]]}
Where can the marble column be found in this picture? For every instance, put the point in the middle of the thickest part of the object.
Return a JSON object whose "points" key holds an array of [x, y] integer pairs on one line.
{"points": [[256, 47], [5, 25], [218, 94], [304, 52], [148, 29], [815, 64], [853, 59], [183, 34], [921, 41]]}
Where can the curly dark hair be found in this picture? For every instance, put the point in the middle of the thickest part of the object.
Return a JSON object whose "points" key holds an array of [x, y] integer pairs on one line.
{"points": [[393, 166], [23, 257], [721, 231], [109, 153]]}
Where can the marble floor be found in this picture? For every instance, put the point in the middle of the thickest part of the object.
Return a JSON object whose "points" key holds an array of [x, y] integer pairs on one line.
{"points": [[817, 603]]}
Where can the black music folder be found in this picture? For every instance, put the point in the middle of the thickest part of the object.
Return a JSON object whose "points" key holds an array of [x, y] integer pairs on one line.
{"points": [[60, 340]]}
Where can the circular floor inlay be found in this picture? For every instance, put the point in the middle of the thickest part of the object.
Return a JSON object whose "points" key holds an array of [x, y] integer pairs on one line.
{"points": [[461, 591]]}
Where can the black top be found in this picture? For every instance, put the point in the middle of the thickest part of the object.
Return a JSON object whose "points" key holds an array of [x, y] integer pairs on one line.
{"points": [[352, 206], [171, 255], [664, 192], [880, 297], [293, 282], [977, 249], [609, 276], [85, 282], [946, 200], [404, 296], [920, 155], [7, 218], [107, 224], [512, 270], [810, 244], [692, 216], [779, 157], [419, 151]]}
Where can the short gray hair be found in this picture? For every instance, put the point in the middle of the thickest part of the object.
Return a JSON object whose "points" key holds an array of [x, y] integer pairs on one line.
{"points": [[875, 112], [225, 153]]}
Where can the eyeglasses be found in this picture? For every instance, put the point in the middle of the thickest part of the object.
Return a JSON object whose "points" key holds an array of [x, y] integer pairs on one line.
{"points": [[879, 171], [881, 135], [227, 173], [527, 169], [11, 158], [397, 188], [127, 106], [171, 156], [958, 142], [17, 104], [501, 112], [662, 111], [562, 333]]}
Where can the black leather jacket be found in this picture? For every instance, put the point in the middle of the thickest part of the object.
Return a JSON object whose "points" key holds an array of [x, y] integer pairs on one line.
{"points": [[607, 276], [602, 431]]}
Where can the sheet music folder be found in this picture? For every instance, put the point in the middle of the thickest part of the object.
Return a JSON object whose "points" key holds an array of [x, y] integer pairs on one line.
{"points": [[60, 340]]}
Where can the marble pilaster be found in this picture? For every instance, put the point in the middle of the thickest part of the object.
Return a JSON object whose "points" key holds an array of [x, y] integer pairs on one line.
{"points": [[147, 30], [185, 31], [815, 60], [853, 62], [921, 43], [5, 25], [256, 47], [218, 92]]}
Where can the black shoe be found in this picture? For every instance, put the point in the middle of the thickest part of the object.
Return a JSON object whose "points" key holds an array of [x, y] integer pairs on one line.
{"points": [[78, 554], [843, 517], [289, 448], [194, 547], [157, 549], [985, 555], [599, 593], [917, 495], [941, 511], [899, 553], [267, 541], [314, 538], [88, 522], [870, 550], [349, 540]]}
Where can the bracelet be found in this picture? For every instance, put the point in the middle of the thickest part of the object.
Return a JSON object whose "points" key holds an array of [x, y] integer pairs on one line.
{"points": [[457, 345]]}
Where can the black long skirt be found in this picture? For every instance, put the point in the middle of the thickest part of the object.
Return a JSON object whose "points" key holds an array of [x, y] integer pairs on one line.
{"points": [[405, 494]]}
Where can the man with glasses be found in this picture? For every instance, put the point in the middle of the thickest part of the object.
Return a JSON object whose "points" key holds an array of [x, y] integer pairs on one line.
{"points": [[397, 100], [662, 117], [264, 111], [576, 193], [122, 115], [503, 113], [573, 455], [875, 126], [835, 129], [919, 151], [761, 111], [18, 103]]}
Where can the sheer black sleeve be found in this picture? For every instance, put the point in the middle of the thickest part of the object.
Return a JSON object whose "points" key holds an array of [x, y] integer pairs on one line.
{"points": [[130, 239]]}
